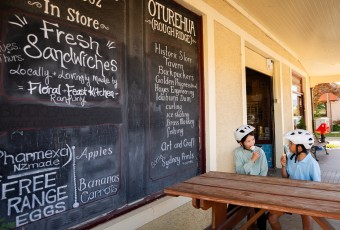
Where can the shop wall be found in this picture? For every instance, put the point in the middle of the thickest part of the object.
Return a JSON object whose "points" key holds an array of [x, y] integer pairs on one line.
{"points": [[258, 62], [279, 118], [252, 30], [226, 36], [307, 103], [287, 111], [254, 48], [228, 94], [287, 101]]}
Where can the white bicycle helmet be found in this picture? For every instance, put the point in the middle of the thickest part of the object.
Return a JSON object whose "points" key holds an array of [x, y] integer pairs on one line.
{"points": [[242, 131], [300, 136]]}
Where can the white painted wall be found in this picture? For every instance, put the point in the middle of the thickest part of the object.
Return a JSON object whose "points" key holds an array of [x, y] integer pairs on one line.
{"points": [[335, 110]]}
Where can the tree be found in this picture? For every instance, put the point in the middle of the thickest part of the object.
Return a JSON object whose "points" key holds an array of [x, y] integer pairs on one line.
{"points": [[320, 89]]}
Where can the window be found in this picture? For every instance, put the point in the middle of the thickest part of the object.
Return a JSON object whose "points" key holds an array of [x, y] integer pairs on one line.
{"points": [[298, 106]]}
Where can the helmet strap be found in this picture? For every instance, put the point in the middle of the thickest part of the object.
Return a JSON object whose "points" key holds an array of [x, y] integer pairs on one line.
{"points": [[241, 144], [297, 152]]}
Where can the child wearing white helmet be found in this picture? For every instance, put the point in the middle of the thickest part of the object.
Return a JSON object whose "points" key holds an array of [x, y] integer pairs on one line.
{"points": [[298, 164], [250, 159]]}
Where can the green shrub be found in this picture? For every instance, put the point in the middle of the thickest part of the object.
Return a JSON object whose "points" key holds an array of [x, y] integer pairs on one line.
{"points": [[336, 127], [301, 124], [320, 110]]}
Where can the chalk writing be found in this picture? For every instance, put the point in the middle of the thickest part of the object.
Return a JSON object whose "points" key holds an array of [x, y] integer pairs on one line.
{"points": [[6, 51], [37, 159], [176, 91], [82, 68], [97, 3], [171, 22], [38, 183], [94, 189], [36, 198], [73, 15], [91, 155], [166, 162], [72, 86]]}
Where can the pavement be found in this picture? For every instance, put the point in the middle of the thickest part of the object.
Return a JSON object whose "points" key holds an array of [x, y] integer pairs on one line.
{"points": [[330, 173]]}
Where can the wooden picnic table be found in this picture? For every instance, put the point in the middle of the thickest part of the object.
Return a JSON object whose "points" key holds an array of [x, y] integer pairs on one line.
{"points": [[217, 189]]}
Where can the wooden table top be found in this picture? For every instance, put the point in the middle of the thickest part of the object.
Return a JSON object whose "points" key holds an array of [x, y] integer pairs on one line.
{"points": [[271, 193]]}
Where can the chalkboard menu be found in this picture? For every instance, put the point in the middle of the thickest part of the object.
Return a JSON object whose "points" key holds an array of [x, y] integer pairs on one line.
{"points": [[172, 71], [100, 108]]}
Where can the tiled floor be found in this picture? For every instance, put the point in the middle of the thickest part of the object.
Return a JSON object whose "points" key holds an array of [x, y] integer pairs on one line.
{"points": [[330, 165]]}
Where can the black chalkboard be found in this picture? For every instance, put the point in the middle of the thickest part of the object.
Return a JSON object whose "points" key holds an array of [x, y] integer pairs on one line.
{"points": [[172, 72], [100, 108], [49, 171], [55, 64]]}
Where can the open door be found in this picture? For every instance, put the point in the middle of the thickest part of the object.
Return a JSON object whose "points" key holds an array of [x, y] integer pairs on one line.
{"points": [[260, 110]]}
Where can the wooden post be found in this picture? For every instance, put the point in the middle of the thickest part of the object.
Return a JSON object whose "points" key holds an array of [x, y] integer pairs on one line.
{"points": [[219, 214]]}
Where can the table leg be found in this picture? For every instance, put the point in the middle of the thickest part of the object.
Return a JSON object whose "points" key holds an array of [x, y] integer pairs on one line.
{"points": [[201, 204], [219, 214], [219, 211], [324, 224]]}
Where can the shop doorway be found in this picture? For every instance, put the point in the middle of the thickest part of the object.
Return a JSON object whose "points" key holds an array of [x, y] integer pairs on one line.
{"points": [[260, 112]]}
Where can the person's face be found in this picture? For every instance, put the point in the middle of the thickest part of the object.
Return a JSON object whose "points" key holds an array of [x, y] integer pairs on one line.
{"points": [[292, 147], [249, 141]]}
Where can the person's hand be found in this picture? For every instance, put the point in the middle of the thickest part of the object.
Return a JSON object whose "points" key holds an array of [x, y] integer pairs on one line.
{"points": [[255, 156], [283, 160]]}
